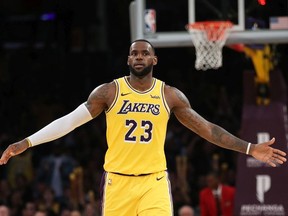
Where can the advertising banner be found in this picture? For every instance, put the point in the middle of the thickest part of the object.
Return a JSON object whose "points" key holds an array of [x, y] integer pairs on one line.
{"points": [[261, 189]]}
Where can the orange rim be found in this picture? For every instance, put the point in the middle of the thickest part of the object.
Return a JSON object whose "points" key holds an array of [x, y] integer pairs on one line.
{"points": [[209, 24], [215, 30]]}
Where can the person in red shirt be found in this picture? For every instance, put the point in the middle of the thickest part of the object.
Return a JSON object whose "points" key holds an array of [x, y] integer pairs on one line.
{"points": [[216, 199]]}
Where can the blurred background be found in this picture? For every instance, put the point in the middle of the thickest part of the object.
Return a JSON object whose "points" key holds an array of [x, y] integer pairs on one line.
{"points": [[54, 53]]}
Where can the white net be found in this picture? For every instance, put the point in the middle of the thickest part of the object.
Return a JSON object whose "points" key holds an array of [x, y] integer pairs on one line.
{"points": [[209, 39]]}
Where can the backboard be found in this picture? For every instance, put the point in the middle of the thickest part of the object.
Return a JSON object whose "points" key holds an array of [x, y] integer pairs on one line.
{"points": [[191, 11]]}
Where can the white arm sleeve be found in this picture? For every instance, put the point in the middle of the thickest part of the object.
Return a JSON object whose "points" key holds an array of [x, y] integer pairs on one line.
{"points": [[61, 126]]}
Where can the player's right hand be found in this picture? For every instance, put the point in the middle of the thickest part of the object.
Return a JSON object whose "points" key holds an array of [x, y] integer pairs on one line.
{"points": [[12, 150]]}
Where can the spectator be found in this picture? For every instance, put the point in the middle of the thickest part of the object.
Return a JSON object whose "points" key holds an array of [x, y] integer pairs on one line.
{"points": [[54, 170], [4, 210], [186, 210], [21, 167], [216, 199], [29, 209], [65, 212], [90, 210], [49, 203], [75, 213], [41, 213], [15, 202]]}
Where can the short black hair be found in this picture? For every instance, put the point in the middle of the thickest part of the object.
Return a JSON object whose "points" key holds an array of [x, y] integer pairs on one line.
{"points": [[144, 40]]}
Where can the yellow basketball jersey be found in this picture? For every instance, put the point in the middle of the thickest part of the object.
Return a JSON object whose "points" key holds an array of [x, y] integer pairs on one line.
{"points": [[136, 129]]}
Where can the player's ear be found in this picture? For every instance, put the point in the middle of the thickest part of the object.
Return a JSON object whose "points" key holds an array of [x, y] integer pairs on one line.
{"points": [[155, 60]]}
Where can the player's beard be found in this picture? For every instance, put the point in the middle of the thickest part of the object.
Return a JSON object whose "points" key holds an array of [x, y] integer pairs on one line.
{"points": [[143, 72]]}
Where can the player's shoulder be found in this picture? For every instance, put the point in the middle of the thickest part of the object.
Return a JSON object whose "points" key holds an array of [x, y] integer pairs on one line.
{"points": [[167, 87], [104, 87], [104, 90], [170, 90]]}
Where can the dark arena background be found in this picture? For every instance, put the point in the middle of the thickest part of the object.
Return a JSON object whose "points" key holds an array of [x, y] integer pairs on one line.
{"points": [[53, 53]]}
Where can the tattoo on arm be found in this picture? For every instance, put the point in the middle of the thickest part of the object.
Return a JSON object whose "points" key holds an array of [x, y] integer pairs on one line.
{"points": [[182, 97], [187, 116], [224, 139], [100, 93], [98, 100]]}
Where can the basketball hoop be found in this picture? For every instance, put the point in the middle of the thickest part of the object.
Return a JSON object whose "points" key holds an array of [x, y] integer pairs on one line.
{"points": [[209, 37]]}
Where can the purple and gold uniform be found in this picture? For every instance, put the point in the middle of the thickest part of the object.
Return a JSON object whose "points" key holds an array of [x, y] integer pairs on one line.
{"points": [[136, 179]]}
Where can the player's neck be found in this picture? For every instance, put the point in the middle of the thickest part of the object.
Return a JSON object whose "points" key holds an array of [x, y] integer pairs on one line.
{"points": [[141, 84]]}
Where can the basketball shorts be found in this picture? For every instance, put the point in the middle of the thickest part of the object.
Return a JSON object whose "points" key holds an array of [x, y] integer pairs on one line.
{"points": [[147, 195]]}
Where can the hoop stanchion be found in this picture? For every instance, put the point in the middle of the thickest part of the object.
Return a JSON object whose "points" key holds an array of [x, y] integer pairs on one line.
{"points": [[209, 37]]}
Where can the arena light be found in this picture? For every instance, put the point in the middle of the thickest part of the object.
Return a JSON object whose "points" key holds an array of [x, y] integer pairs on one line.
{"points": [[48, 16], [262, 2]]}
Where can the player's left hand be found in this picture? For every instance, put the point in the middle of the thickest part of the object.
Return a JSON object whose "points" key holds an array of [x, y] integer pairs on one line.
{"points": [[265, 153]]}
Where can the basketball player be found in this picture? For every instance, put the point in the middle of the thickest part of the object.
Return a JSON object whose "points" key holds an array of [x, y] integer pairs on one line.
{"points": [[137, 109]]}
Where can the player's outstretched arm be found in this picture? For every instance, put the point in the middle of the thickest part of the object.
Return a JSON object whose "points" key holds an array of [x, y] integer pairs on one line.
{"points": [[217, 135], [98, 100], [52, 131]]}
